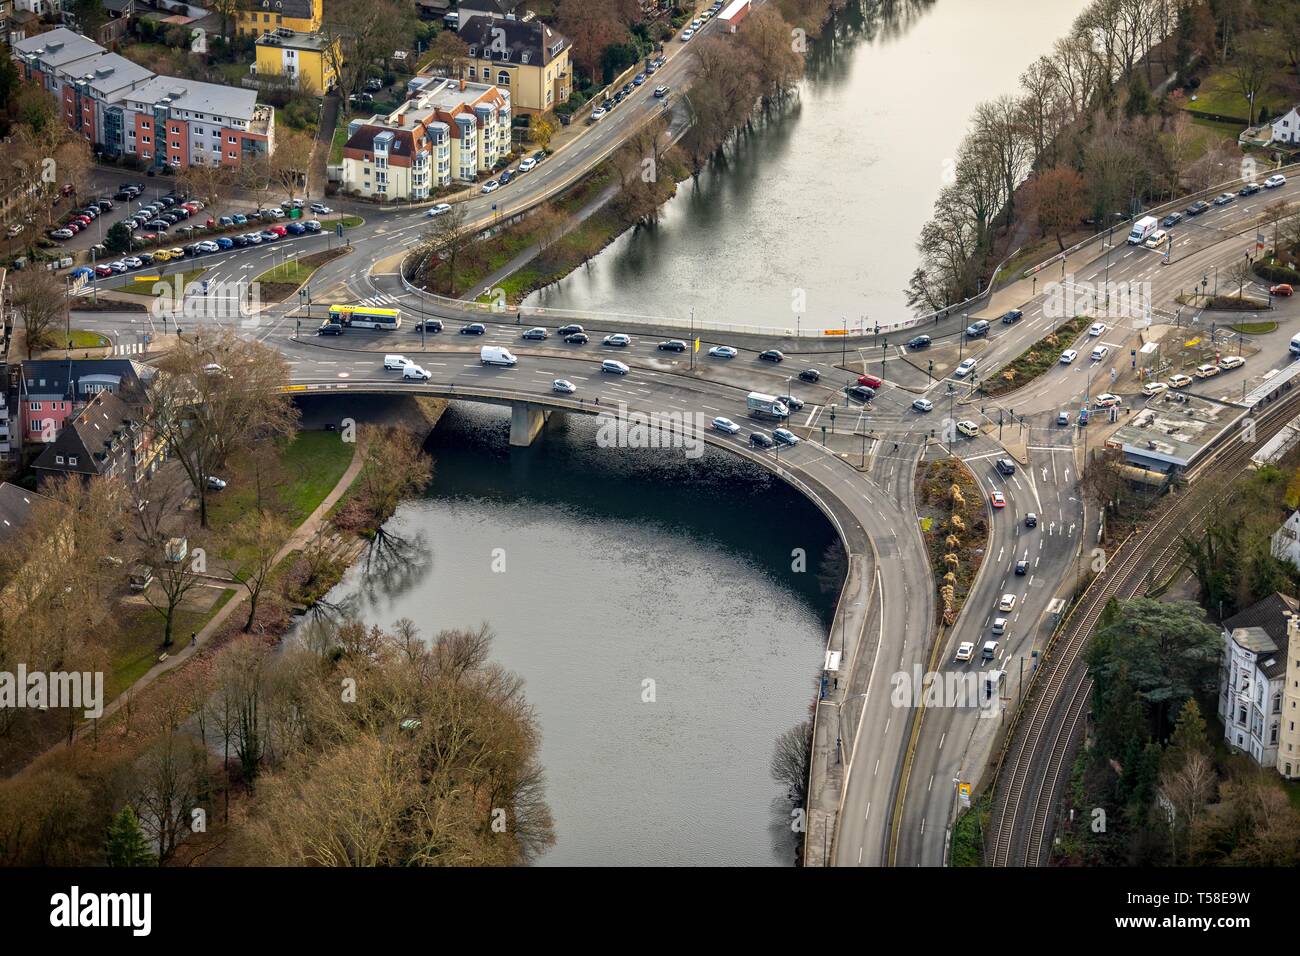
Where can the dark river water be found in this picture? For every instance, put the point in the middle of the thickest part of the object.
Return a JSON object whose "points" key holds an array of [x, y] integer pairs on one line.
{"points": [[600, 569], [816, 213]]}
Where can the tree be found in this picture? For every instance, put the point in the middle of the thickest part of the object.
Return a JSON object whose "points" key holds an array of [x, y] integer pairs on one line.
{"points": [[393, 467], [212, 181], [591, 29], [118, 237], [359, 32], [1058, 195], [445, 240], [1251, 69], [1240, 271], [445, 52], [125, 844], [256, 539], [790, 761], [41, 304], [291, 162], [173, 580]]}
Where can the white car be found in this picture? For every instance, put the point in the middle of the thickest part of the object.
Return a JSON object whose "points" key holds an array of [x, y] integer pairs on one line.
{"points": [[964, 369], [207, 245], [661, 92], [1008, 603], [999, 625], [490, 186], [321, 209], [1106, 400], [725, 425], [1096, 328], [1179, 380], [133, 263], [965, 651], [687, 34], [1208, 370], [618, 339], [528, 165], [923, 404], [215, 483], [438, 210], [563, 386], [1068, 356], [1225, 363], [1274, 181], [1156, 239], [1154, 388], [598, 114], [415, 372], [1099, 353], [723, 351], [968, 428]]}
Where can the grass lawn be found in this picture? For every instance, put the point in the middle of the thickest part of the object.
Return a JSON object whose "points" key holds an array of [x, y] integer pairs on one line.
{"points": [[279, 282], [85, 339], [139, 643], [308, 469], [340, 138], [1255, 328], [1219, 93], [132, 287], [293, 271]]}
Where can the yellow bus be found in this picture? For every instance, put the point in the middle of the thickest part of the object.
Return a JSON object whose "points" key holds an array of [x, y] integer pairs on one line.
{"points": [[365, 317]]}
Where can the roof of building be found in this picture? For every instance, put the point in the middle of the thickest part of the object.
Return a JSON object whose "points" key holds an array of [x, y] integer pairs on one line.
{"points": [[500, 7], [1174, 428], [108, 74], [118, 7], [91, 436], [57, 48], [209, 99], [55, 378], [16, 506], [1269, 617], [520, 42], [297, 9], [294, 40]]}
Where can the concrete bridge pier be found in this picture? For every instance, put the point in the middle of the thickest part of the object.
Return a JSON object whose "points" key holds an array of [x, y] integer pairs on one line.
{"points": [[526, 421]]}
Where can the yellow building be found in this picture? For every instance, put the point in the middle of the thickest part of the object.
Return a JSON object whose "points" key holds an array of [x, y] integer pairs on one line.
{"points": [[524, 57], [265, 16], [304, 58]]}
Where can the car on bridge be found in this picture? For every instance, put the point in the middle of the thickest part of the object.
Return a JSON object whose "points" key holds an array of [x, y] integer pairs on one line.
{"points": [[771, 355], [598, 114], [998, 500], [1274, 181], [474, 328], [965, 368], [617, 340], [923, 404], [725, 425], [1173, 219], [920, 342], [1196, 208], [537, 334], [1223, 199], [965, 651], [416, 373], [672, 345], [1249, 189], [614, 366], [723, 352], [563, 386]]}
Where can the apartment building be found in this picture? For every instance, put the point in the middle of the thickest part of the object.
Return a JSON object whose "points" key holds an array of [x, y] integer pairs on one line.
{"points": [[267, 16], [523, 56], [107, 439], [126, 110], [451, 130], [1253, 675], [50, 391], [307, 60]]}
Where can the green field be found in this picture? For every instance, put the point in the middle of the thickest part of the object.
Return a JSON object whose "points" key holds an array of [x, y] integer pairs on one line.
{"points": [[85, 339], [133, 287], [307, 469]]}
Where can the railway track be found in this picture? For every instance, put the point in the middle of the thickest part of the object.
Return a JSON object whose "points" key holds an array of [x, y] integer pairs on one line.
{"points": [[1036, 758]]}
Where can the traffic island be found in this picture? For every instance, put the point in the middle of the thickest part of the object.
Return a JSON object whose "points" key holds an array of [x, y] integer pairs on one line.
{"points": [[282, 281]]}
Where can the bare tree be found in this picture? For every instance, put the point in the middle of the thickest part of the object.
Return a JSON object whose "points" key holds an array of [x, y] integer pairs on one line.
{"points": [[41, 304], [256, 539]]}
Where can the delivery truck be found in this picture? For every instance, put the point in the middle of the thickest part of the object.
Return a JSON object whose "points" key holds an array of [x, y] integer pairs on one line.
{"points": [[766, 406], [496, 355], [1141, 229]]}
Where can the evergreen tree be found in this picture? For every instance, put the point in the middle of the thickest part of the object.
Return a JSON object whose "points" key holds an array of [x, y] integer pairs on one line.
{"points": [[126, 844]]}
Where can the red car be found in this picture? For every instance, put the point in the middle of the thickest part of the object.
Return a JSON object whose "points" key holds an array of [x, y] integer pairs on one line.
{"points": [[870, 381], [1281, 289], [103, 271], [279, 230], [998, 500]]}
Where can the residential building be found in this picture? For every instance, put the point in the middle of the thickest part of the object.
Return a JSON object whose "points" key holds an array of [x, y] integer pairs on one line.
{"points": [[1286, 540], [49, 391], [308, 60], [16, 506], [1255, 644], [523, 56], [497, 9], [1288, 751], [264, 16], [1286, 128], [105, 439], [123, 109], [450, 130]]}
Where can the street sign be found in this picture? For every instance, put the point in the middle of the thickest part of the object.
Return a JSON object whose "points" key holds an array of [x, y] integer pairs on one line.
{"points": [[338, 230], [963, 794]]}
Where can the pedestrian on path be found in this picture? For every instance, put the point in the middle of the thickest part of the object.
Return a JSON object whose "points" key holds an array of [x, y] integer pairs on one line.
{"points": [[194, 639]]}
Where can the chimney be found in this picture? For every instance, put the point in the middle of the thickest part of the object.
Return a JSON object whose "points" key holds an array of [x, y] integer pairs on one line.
{"points": [[462, 84]]}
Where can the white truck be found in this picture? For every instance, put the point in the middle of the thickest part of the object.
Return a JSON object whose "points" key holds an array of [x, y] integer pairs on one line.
{"points": [[496, 355], [1141, 229], [1295, 345], [766, 406]]}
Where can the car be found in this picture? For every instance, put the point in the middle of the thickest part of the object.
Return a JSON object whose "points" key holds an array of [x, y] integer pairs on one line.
{"points": [[723, 351], [785, 437], [416, 372], [192, 249], [568, 329], [313, 225], [490, 186], [1008, 603], [1156, 239], [1031, 520], [269, 235], [1097, 328], [1196, 208], [862, 393], [810, 375], [1173, 219], [577, 338], [241, 242], [687, 34], [989, 651], [133, 262], [1231, 361], [330, 328], [280, 231], [526, 166], [474, 328], [661, 92], [968, 428], [1062, 418], [598, 114], [761, 440], [277, 212], [923, 404], [790, 402], [696, 23], [427, 325], [771, 355], [965, 368], [965, 651], [614, 366], [651, 69], [146, 258], [998, 500], [1015, 315], [1274, 181], [214, 483], [207, 245], [254, 238], [1006, 466], [1022, 567], [1249, 189], [1223, 199], [1208, 370], [295, 228], [1099, 353], [1068, 356], [1107, 400], [563, 386], [103, 271], [505, 177], [977, 329], [672, 345], [1151, 389], [870, 381], [119, 267], [162, 255], [725, 425], [537, 334], [104, 205], [617, 340], [64, 233], [440, 209], [638, 79], [239, 219], [999, 625], [1179, 380], [168, 201], [919, 342], [1282, 288]]}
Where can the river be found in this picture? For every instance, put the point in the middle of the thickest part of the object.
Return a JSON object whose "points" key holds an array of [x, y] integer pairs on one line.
{"points": [[618, 567], [816, 213]]}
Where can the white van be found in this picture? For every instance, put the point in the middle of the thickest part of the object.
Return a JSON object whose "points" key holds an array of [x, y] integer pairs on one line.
{"points": [[395, 363], [496, 355], [1295, 345], [414, 372]]}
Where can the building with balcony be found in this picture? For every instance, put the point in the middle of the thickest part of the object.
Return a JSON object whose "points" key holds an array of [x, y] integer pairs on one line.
{"points": [[1252, 675], [450, 131], [521, 55], [307, 60], [266, 16]]}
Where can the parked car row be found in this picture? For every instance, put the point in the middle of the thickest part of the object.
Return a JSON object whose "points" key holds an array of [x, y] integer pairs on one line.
{"points": [[1178, 380]]}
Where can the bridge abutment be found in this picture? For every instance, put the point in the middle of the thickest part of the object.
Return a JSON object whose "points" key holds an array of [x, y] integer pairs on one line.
{"points": [[525, 422]]}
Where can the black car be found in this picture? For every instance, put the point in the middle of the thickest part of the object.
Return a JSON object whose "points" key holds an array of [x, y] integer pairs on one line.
{"points": [[1022, 566], [568, 329], [790, 402], [428, 325], [1015, 315], [863, 393], [1006, 466], [192, 249], [577, 338], [1173, 219], [146, 258], [1031, 520], [771, 355], [760, 440], [672, 345], [1249, 189], [240, 241], [104, 204], [920, 342], [1198, 207], [123, 195], [810, 375], [330, 328], [474, 328]]}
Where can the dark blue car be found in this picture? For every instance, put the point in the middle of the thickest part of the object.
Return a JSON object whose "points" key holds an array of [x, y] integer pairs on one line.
{"points": [[296, 228]]}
